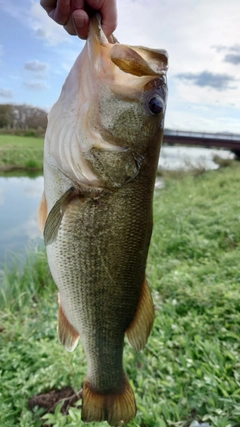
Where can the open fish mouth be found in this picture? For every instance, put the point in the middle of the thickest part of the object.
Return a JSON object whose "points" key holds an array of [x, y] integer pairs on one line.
{"points": [[136, 60], [105, 70]]}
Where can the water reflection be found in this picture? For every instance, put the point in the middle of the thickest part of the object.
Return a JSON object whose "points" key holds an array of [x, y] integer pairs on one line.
{"points": [[191, 157], [19, 200]]}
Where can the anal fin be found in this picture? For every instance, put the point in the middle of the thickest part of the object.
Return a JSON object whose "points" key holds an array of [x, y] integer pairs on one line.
{"points": [[141, 326], [68, 336]]}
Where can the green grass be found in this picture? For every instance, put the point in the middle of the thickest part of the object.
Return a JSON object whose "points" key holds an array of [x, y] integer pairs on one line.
{"points": [[190, 368], [20, 152]]}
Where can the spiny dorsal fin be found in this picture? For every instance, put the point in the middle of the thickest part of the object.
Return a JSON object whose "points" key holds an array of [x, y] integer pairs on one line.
{"points": [[55, 216]]}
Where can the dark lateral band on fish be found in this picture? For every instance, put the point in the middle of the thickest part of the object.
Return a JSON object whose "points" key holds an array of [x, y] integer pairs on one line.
{"points": [[100, 160]]}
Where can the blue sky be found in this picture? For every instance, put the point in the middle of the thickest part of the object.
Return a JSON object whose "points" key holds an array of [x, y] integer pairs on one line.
{"points": [[201, 37]]}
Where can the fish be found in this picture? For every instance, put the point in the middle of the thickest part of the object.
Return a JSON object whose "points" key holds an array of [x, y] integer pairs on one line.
{"points": [[101, 154]]}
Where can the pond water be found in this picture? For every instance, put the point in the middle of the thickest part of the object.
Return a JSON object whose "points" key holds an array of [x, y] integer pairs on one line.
{"points": [[20, 197], [178, 157], [19, 200]]}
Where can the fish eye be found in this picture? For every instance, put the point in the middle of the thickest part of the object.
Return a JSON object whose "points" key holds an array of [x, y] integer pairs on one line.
{"points": [[156, 105]]}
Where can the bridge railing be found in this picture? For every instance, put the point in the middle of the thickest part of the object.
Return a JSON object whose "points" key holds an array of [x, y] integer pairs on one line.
{"points": [[203, 135]]}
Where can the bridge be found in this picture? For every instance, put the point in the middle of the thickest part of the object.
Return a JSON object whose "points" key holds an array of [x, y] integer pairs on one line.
{"points": [[211, 140]]}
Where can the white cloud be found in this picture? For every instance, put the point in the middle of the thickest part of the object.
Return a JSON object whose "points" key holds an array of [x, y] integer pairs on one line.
{"points": [[208, 120], [6, 93], [207, 95], [30, 13], [35, 85], [197, 35], [207, 79], [201, 36], [187, 30], [35, 66], [13, 9], [45, 28]]}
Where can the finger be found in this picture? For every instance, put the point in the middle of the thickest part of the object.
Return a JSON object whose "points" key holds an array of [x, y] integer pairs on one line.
{"points": [[48, 5], [81, 23], [108, 11], [70, 27], [58, 10]]}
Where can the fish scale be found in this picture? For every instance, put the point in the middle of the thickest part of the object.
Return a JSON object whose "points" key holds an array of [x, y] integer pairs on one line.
{"points": [[103, 217]]}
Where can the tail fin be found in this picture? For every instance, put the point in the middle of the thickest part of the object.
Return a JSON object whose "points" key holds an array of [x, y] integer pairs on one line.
{"points": [[113, 408]]}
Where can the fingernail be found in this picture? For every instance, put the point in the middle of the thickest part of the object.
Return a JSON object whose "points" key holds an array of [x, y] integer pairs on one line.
{"points": [[80, 21]]}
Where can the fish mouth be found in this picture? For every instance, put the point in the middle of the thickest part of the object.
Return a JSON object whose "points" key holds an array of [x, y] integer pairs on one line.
{"points": [[105, 73], [139, 61], [135, 60]]}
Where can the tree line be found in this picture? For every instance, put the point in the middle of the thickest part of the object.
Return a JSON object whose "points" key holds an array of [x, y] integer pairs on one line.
{"points": [[24, 117]]}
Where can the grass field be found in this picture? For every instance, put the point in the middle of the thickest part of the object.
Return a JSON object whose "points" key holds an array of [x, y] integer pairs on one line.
{"points": [[20, 152], [190, 368]]}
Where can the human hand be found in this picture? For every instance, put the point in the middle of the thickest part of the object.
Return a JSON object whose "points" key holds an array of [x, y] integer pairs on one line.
{"points": [[74, 14]]}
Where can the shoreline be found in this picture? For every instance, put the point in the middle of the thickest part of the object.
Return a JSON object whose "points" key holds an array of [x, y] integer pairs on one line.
{"points": [[12, 168]]}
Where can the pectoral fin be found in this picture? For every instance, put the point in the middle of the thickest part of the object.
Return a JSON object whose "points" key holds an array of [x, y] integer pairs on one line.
{"points": [[141, 326], [55, 216], [66, 332]]}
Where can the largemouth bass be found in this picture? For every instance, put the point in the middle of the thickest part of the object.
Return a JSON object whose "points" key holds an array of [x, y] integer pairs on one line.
{"points": [[100, 159]]}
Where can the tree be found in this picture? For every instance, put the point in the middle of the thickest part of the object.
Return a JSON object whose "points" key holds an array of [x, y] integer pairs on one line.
{"points": [[6, 116], [22, 117]]}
